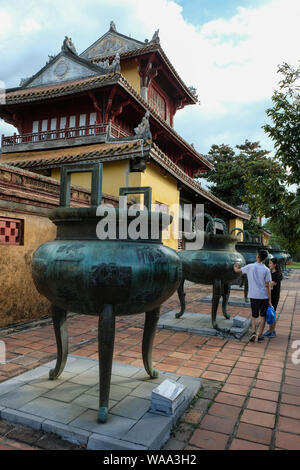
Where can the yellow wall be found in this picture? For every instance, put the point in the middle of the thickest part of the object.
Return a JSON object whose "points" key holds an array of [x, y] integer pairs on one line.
{"points": [[130, 72], [19, 299], [236, 223], [265, 238], [115, 175], [164, 190]]}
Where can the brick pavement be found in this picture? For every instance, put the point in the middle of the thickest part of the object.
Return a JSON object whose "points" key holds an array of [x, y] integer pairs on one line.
{"points": [[251, 394]]}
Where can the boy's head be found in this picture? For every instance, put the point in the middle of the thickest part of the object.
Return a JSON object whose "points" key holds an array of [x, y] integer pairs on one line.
{"points": [[261, 255]]}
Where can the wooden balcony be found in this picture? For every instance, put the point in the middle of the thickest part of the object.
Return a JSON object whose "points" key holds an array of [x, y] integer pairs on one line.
{"points": [[62, 137]]}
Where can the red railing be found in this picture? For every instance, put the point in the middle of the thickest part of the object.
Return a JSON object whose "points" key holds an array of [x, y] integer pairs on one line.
{"points": [[117, 131], [69, 133]]}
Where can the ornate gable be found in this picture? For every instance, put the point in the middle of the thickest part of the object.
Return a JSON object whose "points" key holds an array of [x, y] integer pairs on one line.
{"points": [[66, 66], [110, 44]]}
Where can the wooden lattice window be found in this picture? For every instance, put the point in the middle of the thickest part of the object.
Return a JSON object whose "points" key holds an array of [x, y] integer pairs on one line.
{"points": [[157, 102], [11, 231]]}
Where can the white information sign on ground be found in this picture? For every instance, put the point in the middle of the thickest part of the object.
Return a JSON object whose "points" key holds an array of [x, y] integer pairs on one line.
{"points": [[167, 397]]}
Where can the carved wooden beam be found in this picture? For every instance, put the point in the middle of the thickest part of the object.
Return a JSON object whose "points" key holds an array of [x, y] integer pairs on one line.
{"points": [[147, 71], [95, 102], [109, 103], [179, 104], [12, 118], [118, 109], [180, 157], [155, 134]]}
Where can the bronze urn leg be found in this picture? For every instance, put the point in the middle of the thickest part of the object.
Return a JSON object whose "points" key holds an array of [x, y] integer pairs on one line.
{"points": [[226, 295], [148, 338], [106, 339], [181, 295], [217, 292], [59, 317]]}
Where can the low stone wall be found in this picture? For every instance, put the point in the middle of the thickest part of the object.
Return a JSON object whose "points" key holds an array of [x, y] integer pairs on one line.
{"points": [[19, 299], [28, 197]]}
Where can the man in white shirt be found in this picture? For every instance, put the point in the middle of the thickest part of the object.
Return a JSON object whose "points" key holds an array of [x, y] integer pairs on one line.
{"points": [[259, 278]]}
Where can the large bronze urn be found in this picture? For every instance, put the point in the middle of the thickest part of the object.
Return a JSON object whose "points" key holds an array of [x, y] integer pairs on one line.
{"points": [[78, 272], [212, 264], [287, 257]]}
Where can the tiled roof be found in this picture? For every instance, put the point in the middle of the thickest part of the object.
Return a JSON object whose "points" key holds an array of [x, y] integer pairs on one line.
{"points": [[54, 158], [42, 92], [65, 54], [111, 152], [164, 123], [174, 169], [154, 47], [76, 86], [25, 95]]}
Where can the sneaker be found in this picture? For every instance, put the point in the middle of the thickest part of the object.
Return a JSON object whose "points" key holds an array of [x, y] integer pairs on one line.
{"points": [[252, 337], [267, 333], [260, 339], [273, 334]]}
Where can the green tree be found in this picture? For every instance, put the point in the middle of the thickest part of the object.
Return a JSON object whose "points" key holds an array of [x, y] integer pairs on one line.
{"points": [[232, 173], [273, 196], [284, 233], [232, 168], [284, 129], [226, 176]]}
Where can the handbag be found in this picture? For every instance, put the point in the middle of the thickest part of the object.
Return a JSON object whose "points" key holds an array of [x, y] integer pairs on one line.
{"points": [[271, 315]]}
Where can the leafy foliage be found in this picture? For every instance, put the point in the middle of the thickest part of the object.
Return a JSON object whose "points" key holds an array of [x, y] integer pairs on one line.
{"points": [[285, 232], [250, 176], [233, 168], [285, 116]]}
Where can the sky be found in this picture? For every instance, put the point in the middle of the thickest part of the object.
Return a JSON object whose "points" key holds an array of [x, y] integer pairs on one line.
{"points": [[228, 49]]}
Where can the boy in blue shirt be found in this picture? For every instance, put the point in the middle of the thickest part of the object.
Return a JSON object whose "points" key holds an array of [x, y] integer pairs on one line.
{"points": [[259, 293]]}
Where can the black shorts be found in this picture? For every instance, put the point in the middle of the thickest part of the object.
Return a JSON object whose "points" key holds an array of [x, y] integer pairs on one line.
{"points": [[259, 306]]}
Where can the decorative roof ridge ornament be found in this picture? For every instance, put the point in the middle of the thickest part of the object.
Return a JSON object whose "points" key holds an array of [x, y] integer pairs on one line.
{"points": [[116, 63], [68, 46], [142, 131], [114, 67], [155, 39], [193, 90], [50, 58], [112, 27], [23, 81]]}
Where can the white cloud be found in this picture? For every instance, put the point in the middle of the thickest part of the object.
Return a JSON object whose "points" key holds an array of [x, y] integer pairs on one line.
{"points": [[30, 25], [234, 60], [5, 23]]}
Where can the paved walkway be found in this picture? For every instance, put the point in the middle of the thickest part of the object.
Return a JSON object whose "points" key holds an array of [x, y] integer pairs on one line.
{"points": [[251, 393]]}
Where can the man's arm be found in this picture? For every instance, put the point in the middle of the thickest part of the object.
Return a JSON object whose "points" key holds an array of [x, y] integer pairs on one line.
{"points": [[236, 268]]}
